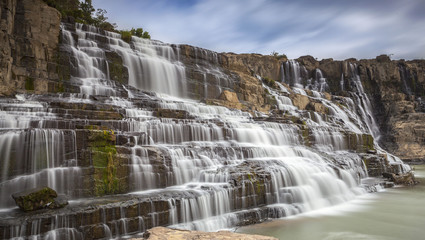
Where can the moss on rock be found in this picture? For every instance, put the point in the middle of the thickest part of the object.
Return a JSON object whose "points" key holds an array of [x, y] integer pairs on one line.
{"points": [[36, 198], [105, 161]]}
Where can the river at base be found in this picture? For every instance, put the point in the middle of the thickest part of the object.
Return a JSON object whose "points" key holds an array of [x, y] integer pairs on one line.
{"points": [[397, 213]]}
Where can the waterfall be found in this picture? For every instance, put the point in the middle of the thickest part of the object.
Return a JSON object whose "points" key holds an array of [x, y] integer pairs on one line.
{"points": [[404, 76], [293, 73], [363, 102], [364, 107], [40, 162], [318, 83], [33, 156], [186, 163], [152, 65]]}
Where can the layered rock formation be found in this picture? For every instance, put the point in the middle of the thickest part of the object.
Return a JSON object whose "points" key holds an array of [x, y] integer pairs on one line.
{"points": [[152, 134], [396, 88]]}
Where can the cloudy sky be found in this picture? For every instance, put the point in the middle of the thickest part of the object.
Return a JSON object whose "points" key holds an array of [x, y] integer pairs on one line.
{"points": [[338, 29]]}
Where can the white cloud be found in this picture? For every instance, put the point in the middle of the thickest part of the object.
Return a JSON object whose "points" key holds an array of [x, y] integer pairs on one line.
{"points": [[338, 29]]}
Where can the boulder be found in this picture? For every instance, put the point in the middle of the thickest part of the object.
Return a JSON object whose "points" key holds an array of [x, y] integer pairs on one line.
{"points": [[401, 179], [38, 198]]}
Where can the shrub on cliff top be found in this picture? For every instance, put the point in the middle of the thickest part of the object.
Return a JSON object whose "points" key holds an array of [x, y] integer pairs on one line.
{"points": [[278, 56], [126, 35]]}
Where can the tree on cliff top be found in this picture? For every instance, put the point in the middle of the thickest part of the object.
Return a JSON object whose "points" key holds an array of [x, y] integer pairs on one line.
{"points": [[90, 16], [84, 12]]}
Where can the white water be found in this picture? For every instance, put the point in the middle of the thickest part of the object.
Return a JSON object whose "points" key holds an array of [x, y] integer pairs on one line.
{"points": [[364, 107], [32, 156], [152, 65], [214, 162], [363, 103], [381, 216], [293, 73], [318, 82]]}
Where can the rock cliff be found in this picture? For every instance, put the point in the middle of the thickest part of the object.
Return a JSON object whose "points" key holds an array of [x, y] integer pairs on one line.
{"points": [[397, 90], [31, 62], [29, 39]]}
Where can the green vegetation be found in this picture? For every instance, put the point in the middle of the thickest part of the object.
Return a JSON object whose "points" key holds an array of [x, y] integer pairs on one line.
{"points": [[278, 56], [126, 35], [368, 142], [106, 170], [104, 159], [140, 33], [35, 198], [270, 82], [84, 12]]}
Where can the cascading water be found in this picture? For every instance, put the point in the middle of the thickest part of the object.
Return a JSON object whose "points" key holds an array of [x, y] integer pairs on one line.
{"points": [[404, 76], [318, 83], [152, 65], [202, 167], [294, 73], [363, 102], [364, 107], [33, 155]]}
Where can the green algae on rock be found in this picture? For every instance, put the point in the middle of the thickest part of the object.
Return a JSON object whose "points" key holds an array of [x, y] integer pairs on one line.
{"points": [[36, 198]]}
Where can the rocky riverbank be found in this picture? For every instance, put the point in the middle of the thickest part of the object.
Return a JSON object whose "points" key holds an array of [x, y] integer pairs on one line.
{"points": [[159, 233]]}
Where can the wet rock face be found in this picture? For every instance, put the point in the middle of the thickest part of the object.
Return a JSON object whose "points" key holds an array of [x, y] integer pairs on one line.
{"points": [[210, 75], [28, 53], [396, 89], [117, 71], [38, 198]]}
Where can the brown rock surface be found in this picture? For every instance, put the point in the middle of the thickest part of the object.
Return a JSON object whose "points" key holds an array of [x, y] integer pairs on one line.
{"points": [[162, 233], [229, 96], [253, 64], [395, 88], [29, 39], [300, 101]]}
